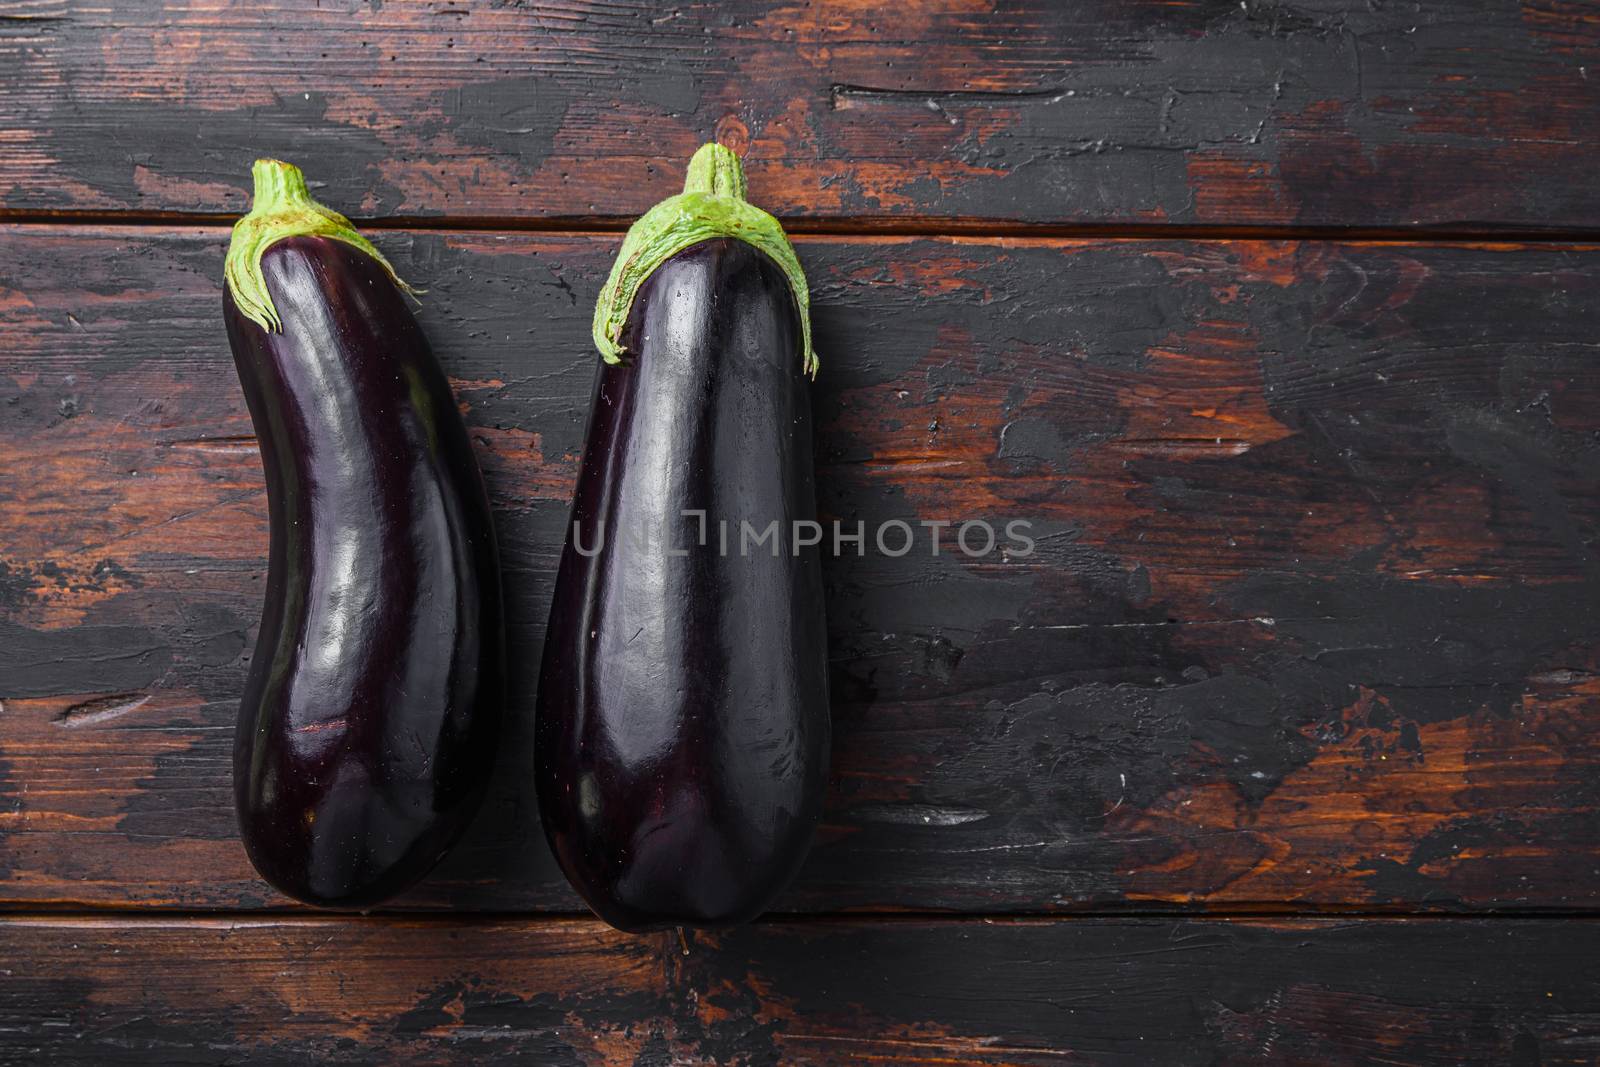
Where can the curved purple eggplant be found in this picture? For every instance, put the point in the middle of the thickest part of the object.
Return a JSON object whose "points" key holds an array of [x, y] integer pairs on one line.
{"points": [[370, 715], [683, 727]]}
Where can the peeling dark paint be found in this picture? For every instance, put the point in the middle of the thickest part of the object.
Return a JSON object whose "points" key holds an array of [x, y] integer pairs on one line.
{"points": [[521, 113], [832, 992], [189, 790], [85, 659], [15, 586], [487, 1021]]}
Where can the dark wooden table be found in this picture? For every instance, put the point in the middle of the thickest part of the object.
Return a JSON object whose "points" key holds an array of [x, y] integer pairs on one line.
{"points": [[1280, 320]]}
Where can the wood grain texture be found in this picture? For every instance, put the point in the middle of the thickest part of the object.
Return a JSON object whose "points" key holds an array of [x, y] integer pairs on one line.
{"points": [[1310, 621], [1448, 992], [1263, 112]]}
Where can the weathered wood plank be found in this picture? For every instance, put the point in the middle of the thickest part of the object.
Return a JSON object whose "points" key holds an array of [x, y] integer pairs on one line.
{"points": [[1310, 622], [1453, 992], [1340, 112]]}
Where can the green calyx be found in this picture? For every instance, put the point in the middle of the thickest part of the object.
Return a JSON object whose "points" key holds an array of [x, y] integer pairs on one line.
{"points": [[282, 207], [712, 204]]}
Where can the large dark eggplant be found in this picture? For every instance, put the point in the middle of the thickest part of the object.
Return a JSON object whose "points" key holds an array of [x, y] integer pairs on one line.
{"points": [[682, 727], [371, 711]]}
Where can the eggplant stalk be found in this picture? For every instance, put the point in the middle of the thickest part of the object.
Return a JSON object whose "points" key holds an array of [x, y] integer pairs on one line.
{"points": [[283, 208], [711, 205]]}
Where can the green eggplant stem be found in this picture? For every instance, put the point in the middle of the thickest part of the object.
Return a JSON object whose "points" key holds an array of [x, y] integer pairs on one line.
{"points": [[711, 205], [282, 207]]}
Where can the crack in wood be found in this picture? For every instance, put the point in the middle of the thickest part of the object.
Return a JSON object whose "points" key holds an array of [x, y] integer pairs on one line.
{"points": [[101, 709]]}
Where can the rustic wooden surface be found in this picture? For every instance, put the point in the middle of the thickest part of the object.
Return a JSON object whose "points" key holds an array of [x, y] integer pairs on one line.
{"points": [[1308, 621], [1309, 648], [296, 991], [1214, 112]]}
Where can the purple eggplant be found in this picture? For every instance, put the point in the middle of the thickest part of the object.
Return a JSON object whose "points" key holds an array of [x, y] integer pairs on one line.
{"points": [[371, 711], [682, 730]]}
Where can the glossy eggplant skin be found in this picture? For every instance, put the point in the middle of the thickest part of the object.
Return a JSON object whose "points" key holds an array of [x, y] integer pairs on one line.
{"points": [[370, 716], [683, 726]]}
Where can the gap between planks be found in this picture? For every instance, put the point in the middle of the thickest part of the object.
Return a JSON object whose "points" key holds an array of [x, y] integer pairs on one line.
{"points": [[868, 227]]}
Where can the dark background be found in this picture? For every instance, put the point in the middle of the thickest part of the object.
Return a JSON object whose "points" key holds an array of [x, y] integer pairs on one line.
{"points": [[1278, 320]]}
